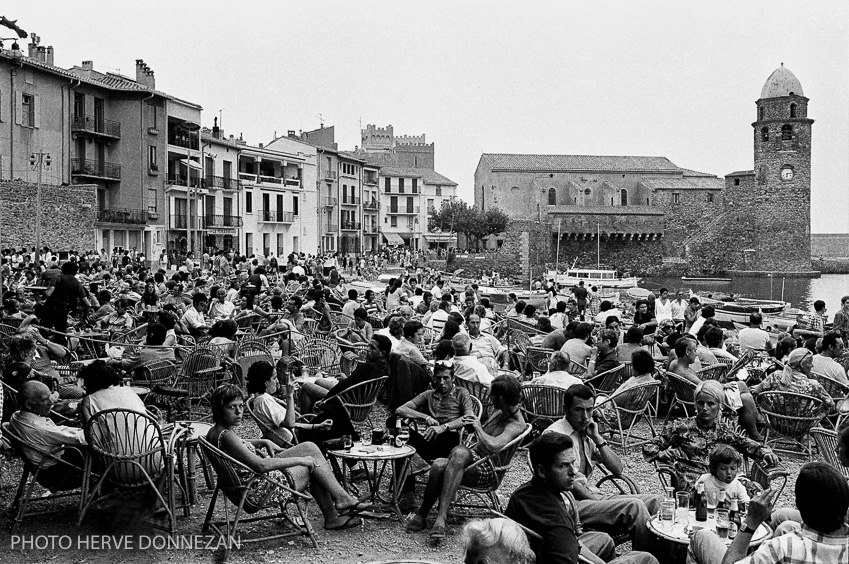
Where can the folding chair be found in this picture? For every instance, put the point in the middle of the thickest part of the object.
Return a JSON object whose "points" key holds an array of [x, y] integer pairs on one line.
{"points": [[236, 482]]}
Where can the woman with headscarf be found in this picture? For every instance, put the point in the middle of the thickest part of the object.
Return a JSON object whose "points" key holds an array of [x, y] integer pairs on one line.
{"points": [[686, 443], [796, 378]]}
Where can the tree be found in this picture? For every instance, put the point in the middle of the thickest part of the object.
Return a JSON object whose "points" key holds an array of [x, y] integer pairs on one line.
{"points": [[496, 221], [458, 217]]}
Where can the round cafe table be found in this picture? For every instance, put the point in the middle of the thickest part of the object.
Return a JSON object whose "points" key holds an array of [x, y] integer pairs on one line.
{"points": [[380, 456], [676, 540]]}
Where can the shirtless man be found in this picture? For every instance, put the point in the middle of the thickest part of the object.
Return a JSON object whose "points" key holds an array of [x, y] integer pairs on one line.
{"points": [[447, 474]]}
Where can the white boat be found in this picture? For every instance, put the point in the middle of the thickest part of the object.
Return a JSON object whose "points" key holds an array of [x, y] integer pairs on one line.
{"points": [[591, 277], [739, 309]]}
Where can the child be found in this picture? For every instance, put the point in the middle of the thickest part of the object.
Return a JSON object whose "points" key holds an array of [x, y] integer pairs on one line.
{"points": [[724, 463]]}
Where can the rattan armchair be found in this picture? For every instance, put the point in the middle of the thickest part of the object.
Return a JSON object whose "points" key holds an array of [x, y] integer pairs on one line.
{"points": [[536, 359], [359, 399], [629, 407], [713, 372], [479, 391], [790, 417], [607, 381], [542, 405], [837, 390], [826, 441], [235, 482]]}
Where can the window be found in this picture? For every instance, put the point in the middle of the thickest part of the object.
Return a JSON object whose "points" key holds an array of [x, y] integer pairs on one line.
{"points": [[736, 182], [623, 197], [786, 132], [228, 209], [344, 193], [151, 157], [676, 198], [388, 184], [27, 114], [709, 197], [430, 204], [153, 116], [415, 186], [151, 200], [439, 190], [249, 202], [266, 203], [400, 185], [410, 204], [280, 207], [552, 197], [226, 174], [792, 110], [393, 221], [393, 204], [295, 206], [764, 134], [79, 108]]}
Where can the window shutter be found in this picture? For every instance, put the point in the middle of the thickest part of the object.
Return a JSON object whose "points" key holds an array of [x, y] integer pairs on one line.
{"points": [[36, 111], [19, 107]]}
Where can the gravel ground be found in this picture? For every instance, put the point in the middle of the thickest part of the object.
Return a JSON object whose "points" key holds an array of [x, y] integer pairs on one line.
{"points": [[377, 539]]}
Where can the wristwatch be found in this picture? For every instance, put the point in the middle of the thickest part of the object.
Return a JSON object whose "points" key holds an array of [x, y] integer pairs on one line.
{"points": [[747, 529]]}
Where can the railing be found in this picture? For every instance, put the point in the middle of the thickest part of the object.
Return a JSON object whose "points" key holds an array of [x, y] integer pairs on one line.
{"points": [[222, 182], [247, 178], [221, 221], [296, 182], [181, 222], [276, 216], [182, 140], [372, 205], [270, 179], [90, 124], [95, 169], [407, 210], [185, 180], [330, 175], [350, 226], [331, 228], [372, 229], [135, 217], [330, 202], [350, 201]]}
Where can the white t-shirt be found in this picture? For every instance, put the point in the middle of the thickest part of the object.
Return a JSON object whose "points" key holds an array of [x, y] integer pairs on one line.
{"points": [[733, 490], [753, 338], [269, 411], [662, 311]]}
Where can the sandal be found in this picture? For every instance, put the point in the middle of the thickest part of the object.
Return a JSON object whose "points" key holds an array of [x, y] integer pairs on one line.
{"points": [[438, 533], [356, 509], [415, 524], [351, 522]]}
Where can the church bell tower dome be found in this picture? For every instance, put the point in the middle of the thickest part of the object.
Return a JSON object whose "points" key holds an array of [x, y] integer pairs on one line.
{"points": [[781, 83]]}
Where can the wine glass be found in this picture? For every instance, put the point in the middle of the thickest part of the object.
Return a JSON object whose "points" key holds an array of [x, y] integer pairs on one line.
{"points": [[403, 436]]}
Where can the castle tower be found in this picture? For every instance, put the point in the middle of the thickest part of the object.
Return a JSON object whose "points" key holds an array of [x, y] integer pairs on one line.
{"points": [[771, 215]]}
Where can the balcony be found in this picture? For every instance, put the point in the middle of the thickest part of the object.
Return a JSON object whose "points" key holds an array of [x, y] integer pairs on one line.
{"points": [[372, 229], [181, 221], [183, 140], [331, 228], [330, 202], [292, 182], [372, 205], [122, 216], [97, 127], [219, 221], [404, 211], [252, 179], [185, 180], [351, 201], [90, 168], [222, 183], [330, 175], [276, 216], [350, 226], [371, 180]]}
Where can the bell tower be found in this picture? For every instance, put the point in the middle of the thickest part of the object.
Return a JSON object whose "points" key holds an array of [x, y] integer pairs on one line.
{"points": [[782, 175]]}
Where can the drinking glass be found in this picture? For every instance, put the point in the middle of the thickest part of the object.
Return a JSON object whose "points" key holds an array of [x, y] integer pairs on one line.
{"points": [[712, 500], [722, 523], [347, 442], [667, 514], [365, 438], [682, 512]]}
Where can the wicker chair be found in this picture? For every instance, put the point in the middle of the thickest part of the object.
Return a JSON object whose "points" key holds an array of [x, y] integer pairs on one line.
{"points": [[353, 353], [577, 369], [129, 452], [790, 417], [319, 354], [235, 482], [340, 320], [359, 399], [200, 373], [477, 390], [542, 405], [683, 394], [629, 406], [755, 477], [837, 390], [275, 435], [713, 372], [607, 381], [248, 353], [500, 461], [31, 474], [537, 358], [826, 441]]}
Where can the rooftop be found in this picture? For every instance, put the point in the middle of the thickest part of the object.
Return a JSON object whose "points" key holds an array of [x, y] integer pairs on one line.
{"points": [[685, 183], [577, 163], [427, 175], [781, 83]]}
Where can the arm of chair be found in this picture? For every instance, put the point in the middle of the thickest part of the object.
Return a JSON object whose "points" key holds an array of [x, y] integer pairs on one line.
{"points": [[765, 475], [623, 483], [667, 475]]}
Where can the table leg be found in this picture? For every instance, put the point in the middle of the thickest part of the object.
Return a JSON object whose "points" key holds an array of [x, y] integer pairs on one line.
{"points": [[191, 486], [398, 479]]}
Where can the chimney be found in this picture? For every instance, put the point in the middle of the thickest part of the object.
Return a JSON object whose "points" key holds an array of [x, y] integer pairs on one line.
{"points": [[42, 54], [50, 55], [260, 145], [216, 132], [290, 133], [32, 49], [88, 65], [144, 75]]}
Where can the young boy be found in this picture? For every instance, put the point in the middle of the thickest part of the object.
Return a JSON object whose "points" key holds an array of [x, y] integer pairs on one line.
{"points": [[724, 462]]}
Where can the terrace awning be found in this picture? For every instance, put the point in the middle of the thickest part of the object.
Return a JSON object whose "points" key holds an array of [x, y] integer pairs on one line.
{"points": [[393, 239]]}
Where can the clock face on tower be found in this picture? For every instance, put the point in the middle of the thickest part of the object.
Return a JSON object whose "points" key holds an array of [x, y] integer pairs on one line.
{"points": [[787, 173]]}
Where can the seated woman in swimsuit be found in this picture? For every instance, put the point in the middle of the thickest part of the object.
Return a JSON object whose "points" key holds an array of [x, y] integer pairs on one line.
{"points": [[304, 462]]}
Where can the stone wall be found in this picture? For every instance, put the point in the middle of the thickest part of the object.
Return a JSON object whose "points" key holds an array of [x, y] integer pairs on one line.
{"points": [[526, 244], [638, 256], [67, 215], [830, 245]]}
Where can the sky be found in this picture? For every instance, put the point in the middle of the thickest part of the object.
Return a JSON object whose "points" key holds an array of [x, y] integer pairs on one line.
{"points": [[674, 79]]}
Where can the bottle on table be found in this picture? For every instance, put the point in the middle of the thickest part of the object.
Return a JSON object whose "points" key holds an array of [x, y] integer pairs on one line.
{"points": [[721, 502], [733, 518], [701, 502]]}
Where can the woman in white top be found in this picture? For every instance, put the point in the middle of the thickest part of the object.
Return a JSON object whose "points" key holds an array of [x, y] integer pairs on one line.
{"points": [[663, 307]]}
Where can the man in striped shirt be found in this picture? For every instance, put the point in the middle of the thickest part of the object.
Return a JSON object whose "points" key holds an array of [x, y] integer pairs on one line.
{"points": [[822, 496]]}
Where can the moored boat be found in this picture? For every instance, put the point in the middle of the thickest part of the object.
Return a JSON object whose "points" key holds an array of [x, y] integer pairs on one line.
{"points": [[592, 277], [739, 309], [705, 280]]}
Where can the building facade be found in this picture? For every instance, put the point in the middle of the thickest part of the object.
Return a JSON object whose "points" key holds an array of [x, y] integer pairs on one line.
{"points": [[405, 198]]}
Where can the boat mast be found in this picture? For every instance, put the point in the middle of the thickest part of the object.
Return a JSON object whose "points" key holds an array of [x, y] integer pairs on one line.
{"points": [[557, 259]]}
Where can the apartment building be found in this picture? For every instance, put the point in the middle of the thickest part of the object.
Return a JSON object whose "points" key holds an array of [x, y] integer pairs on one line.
{"points": [[371, 207], [406, 196], [279, 197]]}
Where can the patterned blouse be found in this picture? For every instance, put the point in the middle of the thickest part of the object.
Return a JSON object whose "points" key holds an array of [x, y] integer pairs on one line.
{"points": [[799, 384], [690, 444]]}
